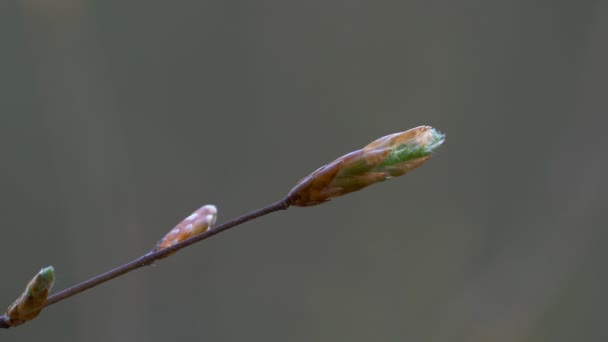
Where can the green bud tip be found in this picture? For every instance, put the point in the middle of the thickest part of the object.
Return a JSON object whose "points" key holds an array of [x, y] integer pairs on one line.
{"points": [[418, 147]]}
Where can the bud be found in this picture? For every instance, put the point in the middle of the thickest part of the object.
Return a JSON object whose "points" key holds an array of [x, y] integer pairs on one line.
{"points": [[200, 221], [32, 300], [390, 156]]}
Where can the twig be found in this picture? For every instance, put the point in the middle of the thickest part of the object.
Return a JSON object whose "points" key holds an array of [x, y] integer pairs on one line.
{"points": [[387, 157]]}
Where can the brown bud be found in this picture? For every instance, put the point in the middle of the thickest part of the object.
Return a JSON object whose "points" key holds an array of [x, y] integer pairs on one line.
{"points": [[32, 300], [390, 156], [198, 222]]}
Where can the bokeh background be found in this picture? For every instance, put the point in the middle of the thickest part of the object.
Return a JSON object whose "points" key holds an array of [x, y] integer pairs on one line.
{"points": [[118, 118]]}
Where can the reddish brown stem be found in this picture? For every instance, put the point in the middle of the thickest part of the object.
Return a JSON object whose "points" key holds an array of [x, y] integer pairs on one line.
{"points": [[152, 256]]}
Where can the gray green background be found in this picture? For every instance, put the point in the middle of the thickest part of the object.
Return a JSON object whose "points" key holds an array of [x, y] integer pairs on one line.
{"points": [[118, 118]]}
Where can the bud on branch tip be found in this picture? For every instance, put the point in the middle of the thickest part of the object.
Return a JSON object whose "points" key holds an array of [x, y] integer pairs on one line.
{"points": [[390, 156], [32, 300]]}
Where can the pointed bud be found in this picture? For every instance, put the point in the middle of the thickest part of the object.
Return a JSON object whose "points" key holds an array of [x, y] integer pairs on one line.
{"points": [[32, 300], [390, 156], [200, 221]]}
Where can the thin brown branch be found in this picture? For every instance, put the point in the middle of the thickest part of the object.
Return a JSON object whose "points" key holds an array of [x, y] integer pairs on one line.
{"points": [[151, 257], [387, 157]]}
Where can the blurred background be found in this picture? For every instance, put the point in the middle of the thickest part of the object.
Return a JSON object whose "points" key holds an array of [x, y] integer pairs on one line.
{"points": [[119, 118]]}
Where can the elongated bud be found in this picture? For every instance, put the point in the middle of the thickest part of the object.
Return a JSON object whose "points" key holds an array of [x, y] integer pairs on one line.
{"points": [[31, 301], [200, 221], [390, 156]]}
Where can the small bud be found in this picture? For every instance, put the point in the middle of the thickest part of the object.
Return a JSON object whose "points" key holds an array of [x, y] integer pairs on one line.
{"points": [[32, 300], [390, 156], [200, 221]]}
